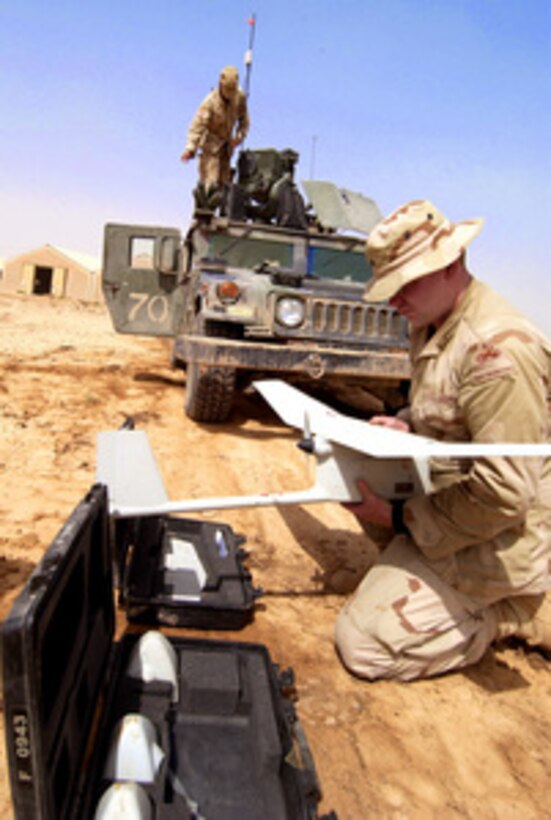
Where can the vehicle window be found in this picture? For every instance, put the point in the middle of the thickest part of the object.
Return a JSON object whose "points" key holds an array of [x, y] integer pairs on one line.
{"points": [[141, 252], [330, 263], [248, 252]]}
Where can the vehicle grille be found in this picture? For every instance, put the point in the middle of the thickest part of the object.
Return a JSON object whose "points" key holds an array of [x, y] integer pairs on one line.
{"points": [[353, 323]]}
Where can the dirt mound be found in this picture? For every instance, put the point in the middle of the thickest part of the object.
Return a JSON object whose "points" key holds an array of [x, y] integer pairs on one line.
{"points": [[472, 744]]}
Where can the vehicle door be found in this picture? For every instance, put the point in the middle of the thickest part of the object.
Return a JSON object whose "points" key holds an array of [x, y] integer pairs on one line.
{"points": [[142, 278]]}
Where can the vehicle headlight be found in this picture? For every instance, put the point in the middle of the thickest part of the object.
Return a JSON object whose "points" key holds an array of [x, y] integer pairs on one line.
{"points": [[290, 312]]}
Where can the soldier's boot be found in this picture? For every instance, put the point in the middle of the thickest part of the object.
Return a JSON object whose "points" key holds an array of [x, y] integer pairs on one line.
{"points": [[214, 196], [527, 617], [200, 197]]}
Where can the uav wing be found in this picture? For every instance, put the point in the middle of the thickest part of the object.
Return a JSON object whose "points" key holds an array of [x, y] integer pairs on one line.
{"points": [[294, 407]]}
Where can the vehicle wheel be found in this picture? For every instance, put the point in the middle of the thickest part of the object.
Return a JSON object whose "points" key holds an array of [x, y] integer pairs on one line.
{"points": [[209, 392]]}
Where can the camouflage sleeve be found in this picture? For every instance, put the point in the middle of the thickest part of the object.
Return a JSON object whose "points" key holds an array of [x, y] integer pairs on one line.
{"points": [[503, 397], [199, 125], [243, 122], [404, 414]]}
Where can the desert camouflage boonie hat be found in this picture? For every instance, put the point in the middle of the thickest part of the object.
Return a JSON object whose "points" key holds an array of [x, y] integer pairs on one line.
{"points": [[413, 241]]}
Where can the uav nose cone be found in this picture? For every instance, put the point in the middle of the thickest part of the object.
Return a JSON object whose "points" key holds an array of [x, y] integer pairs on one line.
{"points": [[124, 801], [153, 659], [134, 753], [307, 445]]}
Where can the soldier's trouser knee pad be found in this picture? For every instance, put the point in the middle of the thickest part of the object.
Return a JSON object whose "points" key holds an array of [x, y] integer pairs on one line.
{"points": [[405, 622], [359, 652]]}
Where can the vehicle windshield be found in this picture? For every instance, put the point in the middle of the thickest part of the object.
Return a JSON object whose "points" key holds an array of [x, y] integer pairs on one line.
{"points": [[323, 261], [248, 251]]}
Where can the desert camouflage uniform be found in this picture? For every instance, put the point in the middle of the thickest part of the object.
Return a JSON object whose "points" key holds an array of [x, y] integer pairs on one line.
{"points": [[211, 131], [438, 597]]}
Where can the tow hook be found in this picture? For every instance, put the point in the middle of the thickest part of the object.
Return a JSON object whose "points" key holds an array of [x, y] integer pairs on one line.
{"points": [[315, 366]]}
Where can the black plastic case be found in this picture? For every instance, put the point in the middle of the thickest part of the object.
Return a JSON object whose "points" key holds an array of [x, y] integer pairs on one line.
{"points": [[152, 593], [233, 747]]}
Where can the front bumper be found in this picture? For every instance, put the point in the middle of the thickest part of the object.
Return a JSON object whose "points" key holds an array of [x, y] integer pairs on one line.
{"points": [[312, 360]]}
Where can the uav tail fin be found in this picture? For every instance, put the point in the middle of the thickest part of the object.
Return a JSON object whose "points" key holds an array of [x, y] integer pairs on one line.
{"points": [[127, 466]]}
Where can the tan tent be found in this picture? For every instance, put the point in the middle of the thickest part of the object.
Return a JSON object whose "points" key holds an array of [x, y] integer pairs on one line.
{"points": [[53, 271]]}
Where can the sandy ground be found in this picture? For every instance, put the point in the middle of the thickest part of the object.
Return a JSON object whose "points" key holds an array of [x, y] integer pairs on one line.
{"points": [[474, 744]]}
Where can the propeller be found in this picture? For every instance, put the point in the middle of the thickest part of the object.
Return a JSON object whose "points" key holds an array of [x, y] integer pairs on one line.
{"points": [[307, 445]]}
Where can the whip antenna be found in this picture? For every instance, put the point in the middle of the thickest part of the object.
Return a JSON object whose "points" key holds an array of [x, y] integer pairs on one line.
{"points": [[249, 54]]}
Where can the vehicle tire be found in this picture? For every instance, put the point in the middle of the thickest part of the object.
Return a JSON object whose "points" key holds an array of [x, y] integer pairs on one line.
{"points": [[209, 393]]}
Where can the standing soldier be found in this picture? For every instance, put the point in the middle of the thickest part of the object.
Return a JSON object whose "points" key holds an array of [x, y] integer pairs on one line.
{"points": [[220, 124]]}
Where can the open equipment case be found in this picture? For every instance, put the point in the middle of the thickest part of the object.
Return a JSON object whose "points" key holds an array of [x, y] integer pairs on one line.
{"points": [[95, 732], [182, 572]]}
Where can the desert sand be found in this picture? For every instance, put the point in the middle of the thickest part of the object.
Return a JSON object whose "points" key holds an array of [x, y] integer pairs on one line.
{"points": [[474, 744]]}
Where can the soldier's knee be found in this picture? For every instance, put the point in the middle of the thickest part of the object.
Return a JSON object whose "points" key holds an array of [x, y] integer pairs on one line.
{"points": [[361, 653]]}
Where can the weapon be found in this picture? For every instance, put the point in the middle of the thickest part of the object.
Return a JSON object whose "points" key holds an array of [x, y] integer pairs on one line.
{"points": [[395, 464]]}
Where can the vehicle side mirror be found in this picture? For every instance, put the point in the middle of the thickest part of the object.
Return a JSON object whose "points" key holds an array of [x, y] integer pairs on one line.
{"points": [[167, 255]]}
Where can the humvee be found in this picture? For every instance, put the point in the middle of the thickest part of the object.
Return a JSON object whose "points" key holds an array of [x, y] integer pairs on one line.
{"points": [[266, 285]]}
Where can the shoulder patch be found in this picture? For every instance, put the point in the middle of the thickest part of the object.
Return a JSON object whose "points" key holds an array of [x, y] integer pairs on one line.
{"points": [[487, 361]]}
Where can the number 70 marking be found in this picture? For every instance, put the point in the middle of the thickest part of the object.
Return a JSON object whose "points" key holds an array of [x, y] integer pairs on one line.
{"points": [[155, 307]]}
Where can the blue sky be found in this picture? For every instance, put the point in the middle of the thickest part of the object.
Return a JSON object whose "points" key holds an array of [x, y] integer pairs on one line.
{"points": [[448, 100]]}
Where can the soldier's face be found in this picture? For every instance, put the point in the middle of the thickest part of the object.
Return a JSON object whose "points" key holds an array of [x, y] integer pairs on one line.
{"points": [[426, 301], [228, 84]]}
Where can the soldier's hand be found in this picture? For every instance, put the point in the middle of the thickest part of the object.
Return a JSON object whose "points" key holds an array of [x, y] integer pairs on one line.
{"points": [[371, 508], [392, 422], [187, 155]]}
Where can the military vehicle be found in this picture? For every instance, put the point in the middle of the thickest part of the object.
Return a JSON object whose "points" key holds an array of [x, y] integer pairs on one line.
{"points": [[265, 285]]}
